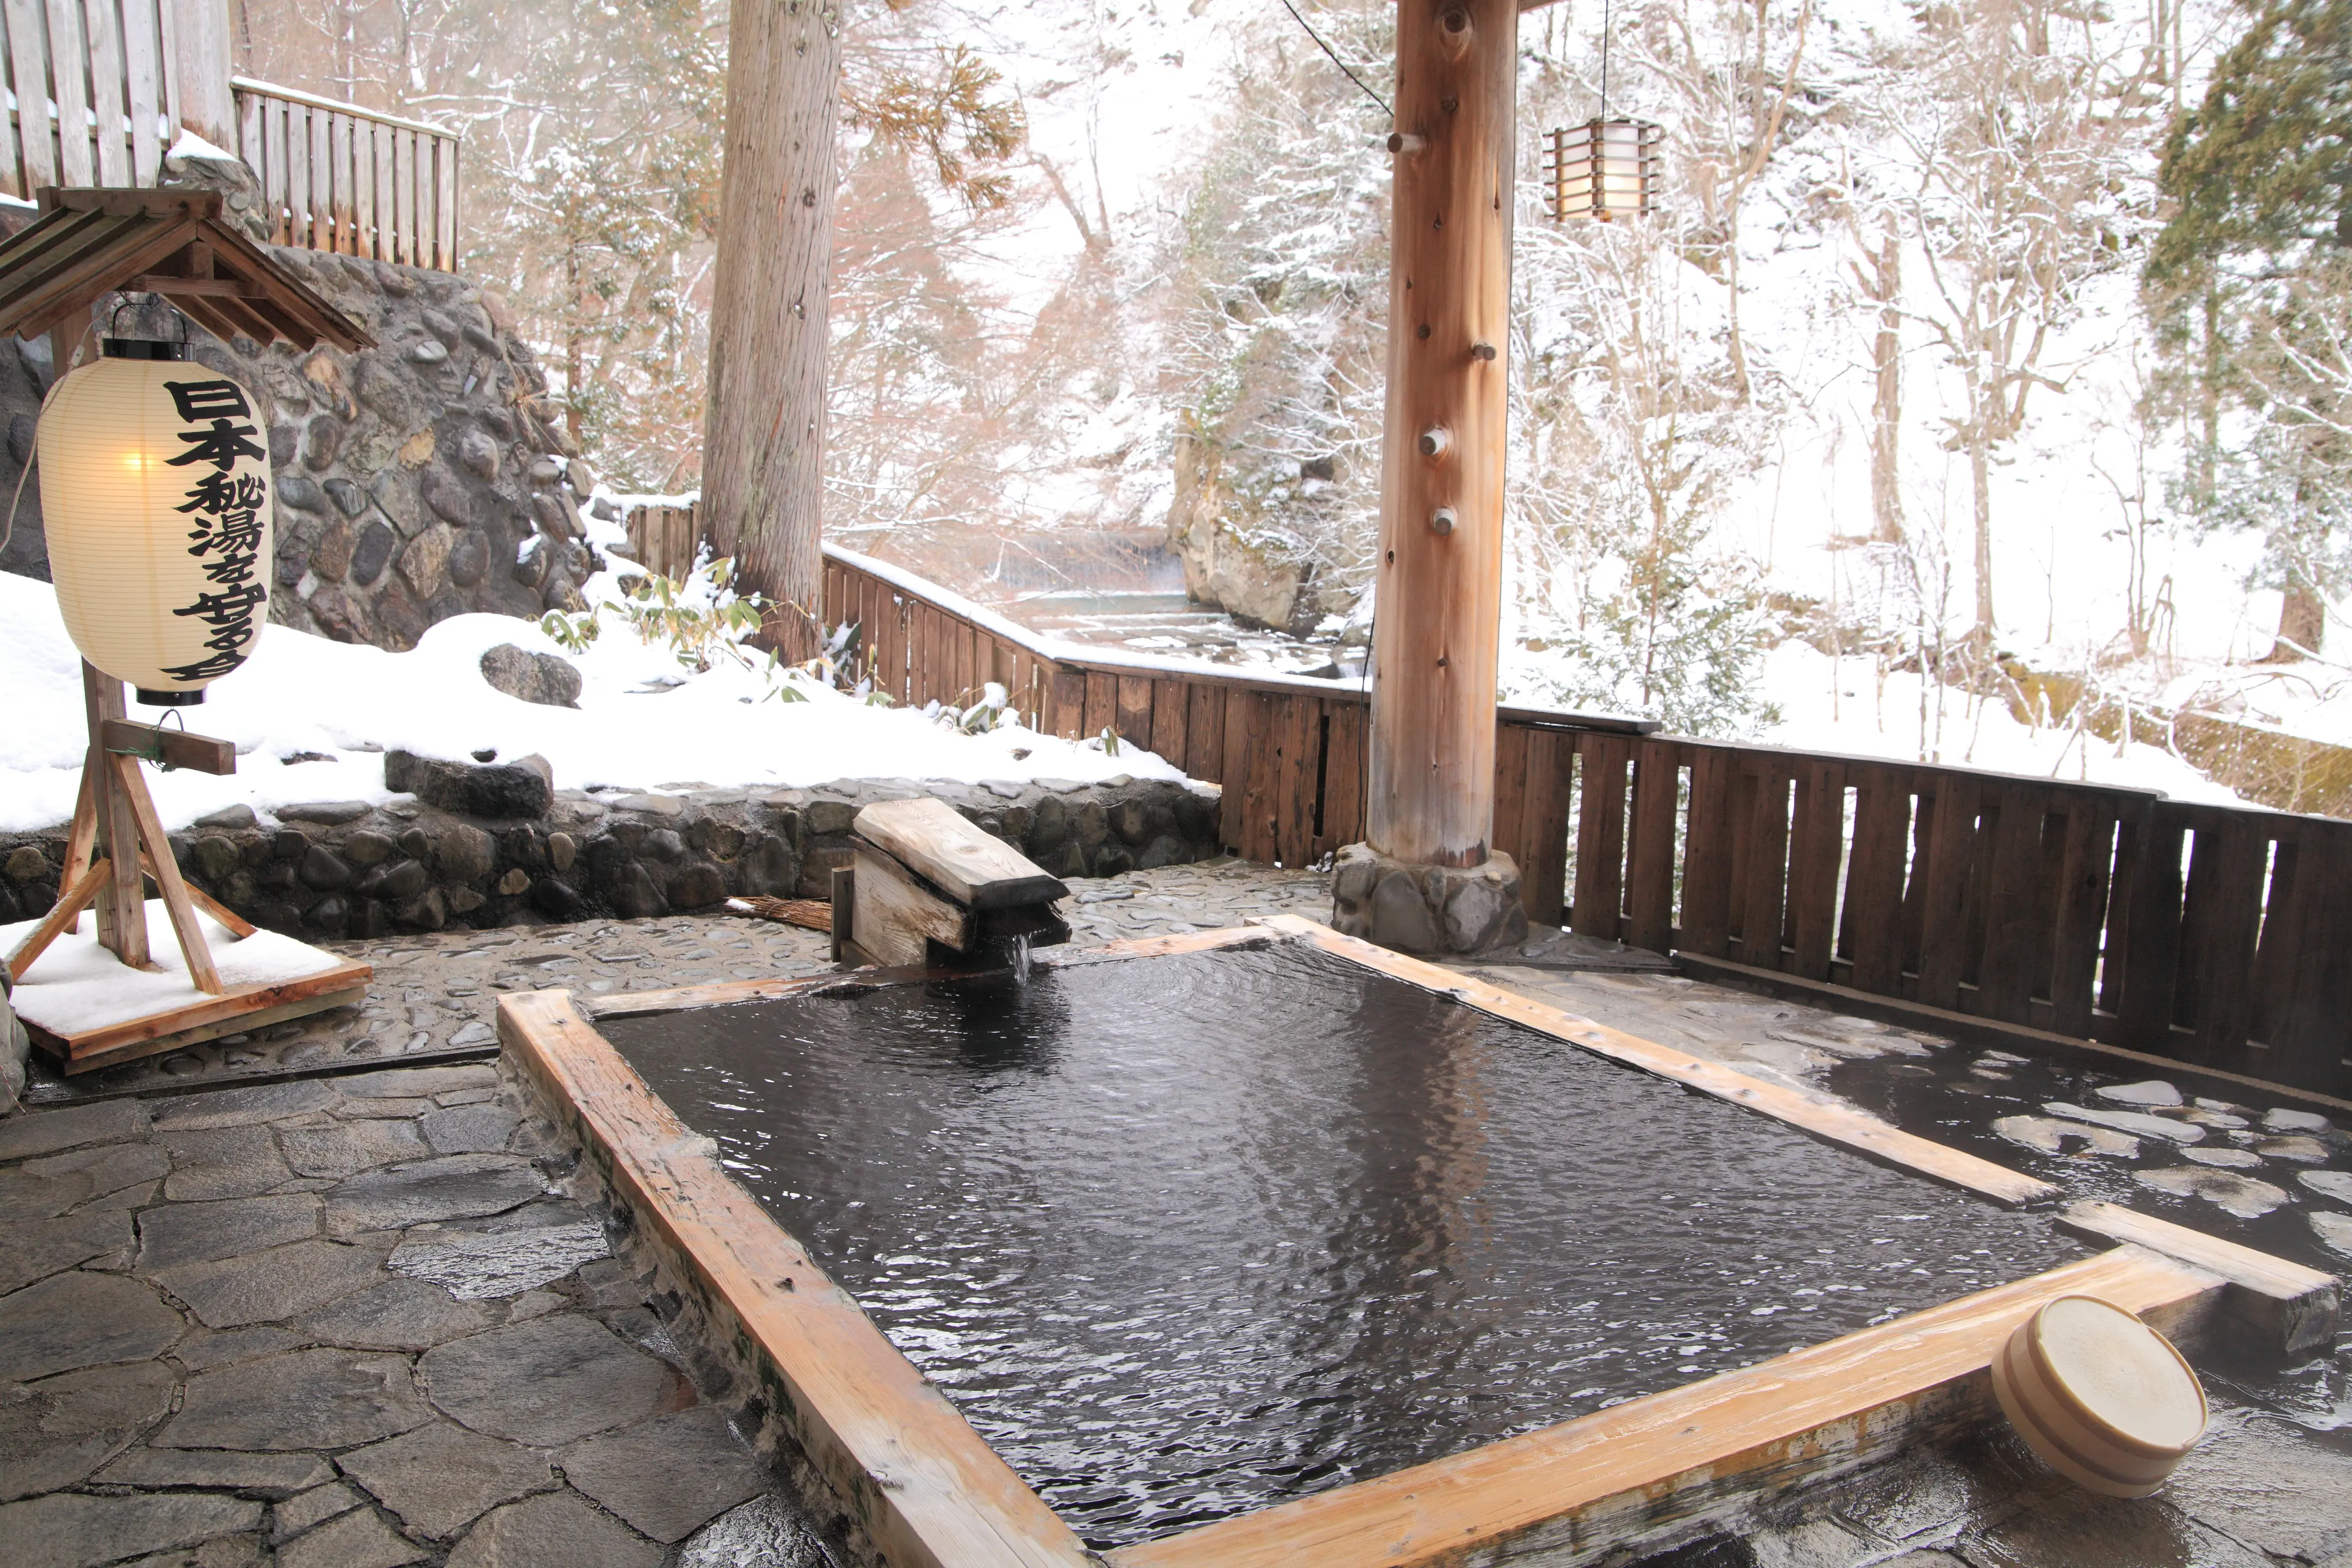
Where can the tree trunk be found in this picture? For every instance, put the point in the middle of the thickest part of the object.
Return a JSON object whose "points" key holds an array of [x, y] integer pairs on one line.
{"points": [[1440, 582], [763, 430], [2303, 622], [1886, 402], [1980, 484]]}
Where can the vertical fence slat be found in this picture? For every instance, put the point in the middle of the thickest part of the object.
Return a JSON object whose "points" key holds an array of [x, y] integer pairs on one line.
{"points": [[69, 60], [1872, 922], [2082, 882], [1511, 799], [1302, 748], [1343, 779], [1951, 853], [1816, 855], [1649, 859], [102, 25], [2004, 978], [1205, 731], [28, 76], [1707, 859], [1171, 715], [2221, 909], [249, 110], [1764, 896], [322, 180], [1601, 837], [1551, 772], [143, 77]]}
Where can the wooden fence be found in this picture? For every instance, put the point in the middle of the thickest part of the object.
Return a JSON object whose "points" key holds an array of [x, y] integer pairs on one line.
{"points": [[343, 178], [2212, 935], [95, 98]]}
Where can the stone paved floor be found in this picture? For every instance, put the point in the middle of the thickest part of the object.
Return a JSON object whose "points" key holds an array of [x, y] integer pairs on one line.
{"points": [[375, 1318]]}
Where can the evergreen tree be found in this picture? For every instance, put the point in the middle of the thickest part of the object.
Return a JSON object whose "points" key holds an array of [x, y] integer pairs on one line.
{"points": [[2248, 284]]}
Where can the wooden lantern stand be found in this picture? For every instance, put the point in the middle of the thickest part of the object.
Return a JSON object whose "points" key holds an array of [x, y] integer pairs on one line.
{"points": [[87, 244]]}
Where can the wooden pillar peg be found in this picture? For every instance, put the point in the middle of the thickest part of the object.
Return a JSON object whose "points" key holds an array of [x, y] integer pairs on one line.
{"points": [[1439, 585]]}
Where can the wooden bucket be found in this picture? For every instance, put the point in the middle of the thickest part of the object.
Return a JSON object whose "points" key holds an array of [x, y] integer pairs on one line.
{"points": [[2102, 1397]]}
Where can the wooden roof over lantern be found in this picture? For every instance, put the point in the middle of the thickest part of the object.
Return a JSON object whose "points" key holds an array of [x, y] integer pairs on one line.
{"points": [[93, 241]]}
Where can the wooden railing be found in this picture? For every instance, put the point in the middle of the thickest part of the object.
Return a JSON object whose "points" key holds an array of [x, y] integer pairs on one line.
{"points": [[94, 95], [343, 178], [2212, 935]]}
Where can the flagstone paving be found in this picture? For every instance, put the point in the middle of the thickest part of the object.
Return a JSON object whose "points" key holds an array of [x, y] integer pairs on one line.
{"points": [[376, 1315]]}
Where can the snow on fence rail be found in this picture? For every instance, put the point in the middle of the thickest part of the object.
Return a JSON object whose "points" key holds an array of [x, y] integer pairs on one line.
{"points": [[2216, 936], [341, 178]]}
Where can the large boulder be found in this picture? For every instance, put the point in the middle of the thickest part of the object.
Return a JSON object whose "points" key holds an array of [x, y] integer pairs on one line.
{"points": [[545, 679]]}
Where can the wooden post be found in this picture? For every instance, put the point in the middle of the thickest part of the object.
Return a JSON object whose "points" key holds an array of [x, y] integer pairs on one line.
{"points": [[123, 899], [200, 67], [1439, 585]]}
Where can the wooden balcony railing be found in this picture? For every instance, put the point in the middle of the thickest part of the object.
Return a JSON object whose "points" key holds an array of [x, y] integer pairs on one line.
{"points": [[343, 178], [2215, 936], [92, 99]]}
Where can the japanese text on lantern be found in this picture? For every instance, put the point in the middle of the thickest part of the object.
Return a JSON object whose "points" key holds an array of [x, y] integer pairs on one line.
{"points": [[228, 511]]}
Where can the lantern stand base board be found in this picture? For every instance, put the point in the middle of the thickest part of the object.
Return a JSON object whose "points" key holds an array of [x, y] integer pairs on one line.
{"points": [[115, 847]]}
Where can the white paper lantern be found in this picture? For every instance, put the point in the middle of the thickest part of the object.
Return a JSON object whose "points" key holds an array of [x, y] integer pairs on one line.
{"points": [[155, 497]]}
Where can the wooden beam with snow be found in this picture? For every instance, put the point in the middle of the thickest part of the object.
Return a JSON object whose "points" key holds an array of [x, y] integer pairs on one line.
{"points": [[976, 869]]}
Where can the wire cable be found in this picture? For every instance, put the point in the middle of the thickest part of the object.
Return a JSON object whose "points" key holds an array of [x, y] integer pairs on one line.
{"points": [[1336, 60]]}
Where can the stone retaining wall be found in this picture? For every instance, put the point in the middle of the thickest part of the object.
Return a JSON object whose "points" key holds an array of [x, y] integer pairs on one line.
{"points": [[348, 870]]}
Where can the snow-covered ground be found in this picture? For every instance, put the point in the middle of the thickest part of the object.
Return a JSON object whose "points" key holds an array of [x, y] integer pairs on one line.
{"points": [[643, 722]]}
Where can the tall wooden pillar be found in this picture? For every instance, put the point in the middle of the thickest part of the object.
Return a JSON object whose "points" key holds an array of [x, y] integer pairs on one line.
{"points": [[1440, 583]]}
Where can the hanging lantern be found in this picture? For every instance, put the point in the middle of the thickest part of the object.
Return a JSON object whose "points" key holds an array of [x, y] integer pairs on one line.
{"points": [[155, 496], [1604, 169]]}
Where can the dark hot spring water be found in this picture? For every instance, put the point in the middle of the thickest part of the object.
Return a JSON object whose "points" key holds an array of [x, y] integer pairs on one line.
{"points": [[1185, 1236]]}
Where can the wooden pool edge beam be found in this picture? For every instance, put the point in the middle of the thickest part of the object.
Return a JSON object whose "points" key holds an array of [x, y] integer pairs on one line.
{"points": [[1823, 1118], [1674, 1459], [925, 1487]]}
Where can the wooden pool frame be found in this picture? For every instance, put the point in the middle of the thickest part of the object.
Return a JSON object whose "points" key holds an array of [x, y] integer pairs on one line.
{"points": [[929, 1490]]}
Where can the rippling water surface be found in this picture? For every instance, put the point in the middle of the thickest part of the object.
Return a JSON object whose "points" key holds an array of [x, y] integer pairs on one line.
{"points": [[1184, 1237]]}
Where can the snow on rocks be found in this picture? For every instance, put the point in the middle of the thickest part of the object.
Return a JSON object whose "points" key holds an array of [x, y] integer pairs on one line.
{"points": [[2334, 1230], [2048, 1135], [2234, 1158], [2336, 1185], [2130, 1122], [2155, 1091], [2279, 1120], [2295, 1146], [2244, 1196]]}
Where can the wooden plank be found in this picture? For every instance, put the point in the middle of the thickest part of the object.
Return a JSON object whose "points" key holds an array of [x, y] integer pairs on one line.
{"points": [[1170, 717], [12, 169], [2307, 1043], [103, 27], [1951, 850], [1343, 780], [2149, 971], [70, 53], [1872, 923], [1650, 876], [932, 839], [366, 182], [1102, 702], [1258, 776], [1204, 731], [1610, 1478], [1816, 858], [893, 916], [2082, 879], [922, 1483], [1301, 734], [2219, 919], [75, 897], [322, 180], [28, 76], [1706, 854], [2014, 934], [1600, 836], [344, 214], [143, 74], [1831, 1120], [1551, 763], [2289, 1310], [91, 1049], [1132, 716], [1763, 891], [177, 908], [1511, 801], [81, 835], [173, 748], [238, 926]]}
